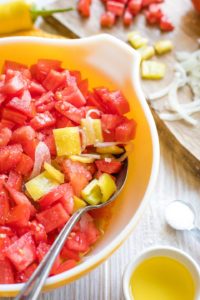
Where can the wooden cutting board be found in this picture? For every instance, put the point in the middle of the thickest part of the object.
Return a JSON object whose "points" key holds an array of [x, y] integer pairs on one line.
{"points": [[182, 138]]}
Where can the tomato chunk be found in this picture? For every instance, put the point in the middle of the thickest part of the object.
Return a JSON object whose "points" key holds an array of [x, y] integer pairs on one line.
{"points": [[4, 206], [53, 217], [73, 95], [23, 134], [19, 215], [6, 272], [23, 104], [70, 111], [5, 136], [25, 165], [77, 241], [22, 252], [15, 180], [14, 116], [38, 231], [54, 80], [67, 265], [9, 157], [24, 276], [74, 170], [42, 120], [108, 167]]}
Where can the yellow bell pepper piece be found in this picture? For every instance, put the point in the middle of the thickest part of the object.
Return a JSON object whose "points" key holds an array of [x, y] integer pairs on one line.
{"points": [[41, 185], [110, 150], [54, 173], [152, 70], [146, 52], [82, 159], [107, 186], [163, 47], [78, 203], [92, 193], [93, 130], [136, 40], [67, 141]]}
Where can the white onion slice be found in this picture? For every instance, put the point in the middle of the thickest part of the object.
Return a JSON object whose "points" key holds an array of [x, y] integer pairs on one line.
{"points": [[91, 155], [89, 112], [178, 116], [108, 144], [84, 139], [108, 159], [42, 154]]}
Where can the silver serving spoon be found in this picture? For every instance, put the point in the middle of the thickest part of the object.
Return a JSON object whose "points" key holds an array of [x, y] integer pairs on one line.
{"points": [[181, 216], [33, 286]]}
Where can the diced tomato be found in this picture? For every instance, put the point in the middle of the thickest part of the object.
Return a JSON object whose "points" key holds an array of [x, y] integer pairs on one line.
{"points": [[153, 14], [42, 68], [74, 170], [63, 121], [45, 103], [5, 242], [20, 198], [55, 194], [42, 250], [165, 24], [23, 104], [50, 142], [108, 167], [67, 200], [95, 101], [6, 231], [53, 217], [91, 168], [125, 131], [42, 120], [110, 122], [127, 17], [117, 8], [135, 6], [13, 85], [4, 206], [23, 134], [13, 65], [15, 180], [5, 136], [109, 135], [30, 146], [70, 111], [67, 265], [25, 165], [77, 241], [69, 254], [83, 86], [76, 75], [22, 252], [54, 80], [14, 116], [9, 157], [18, 216], [114, 101], [36, 88], [24, 276], [88, 227], [6, 272], [108, 19], [73, 95], [84, 7], [38, 231]]}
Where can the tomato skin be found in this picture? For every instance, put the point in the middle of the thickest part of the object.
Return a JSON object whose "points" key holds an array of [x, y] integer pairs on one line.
{"points": [[6, 272], [108, 167], [70, 111], [23, 104], [127, 17], [13, 85], [5, 136], [77, 241], [45, 103], [53, 217], [14, 116], [84, 8], [40, 70], [135, 6], [22, 252], [23, 134], [54, 80], [69, 254], [38, 231], [42, 120], [24, 276], [12, 65], [165, 24], [126, 131], [50, 142], [29, 147], [25, 165], [36, 88], [110, 122], [117, 8], [73, 95]]}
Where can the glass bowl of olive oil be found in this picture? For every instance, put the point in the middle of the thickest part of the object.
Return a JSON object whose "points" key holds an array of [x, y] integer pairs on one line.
{"points": [[162, 273]]}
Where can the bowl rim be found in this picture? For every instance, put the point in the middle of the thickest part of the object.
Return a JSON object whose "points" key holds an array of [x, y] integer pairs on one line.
{"points": [[156, 251], [84, 267]]}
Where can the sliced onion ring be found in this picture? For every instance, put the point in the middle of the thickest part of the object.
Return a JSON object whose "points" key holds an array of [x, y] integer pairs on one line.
{"points": [[42, 154]]}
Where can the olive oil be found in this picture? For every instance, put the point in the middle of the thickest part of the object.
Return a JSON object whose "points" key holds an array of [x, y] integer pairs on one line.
{"points": [[162, 278]]}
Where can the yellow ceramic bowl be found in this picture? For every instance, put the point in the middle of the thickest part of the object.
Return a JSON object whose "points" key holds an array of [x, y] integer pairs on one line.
{"points": [[106, 61]]}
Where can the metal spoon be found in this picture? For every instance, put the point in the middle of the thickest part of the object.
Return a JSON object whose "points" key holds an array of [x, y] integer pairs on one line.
{"points": [[181, 216], [32, 288]]}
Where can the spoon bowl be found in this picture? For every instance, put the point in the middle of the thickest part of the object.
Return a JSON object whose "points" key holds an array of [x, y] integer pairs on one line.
{"points": [[34, 285]]}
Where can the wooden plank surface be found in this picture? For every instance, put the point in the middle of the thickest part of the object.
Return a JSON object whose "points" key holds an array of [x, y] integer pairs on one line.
{"points": [[185, 139]]}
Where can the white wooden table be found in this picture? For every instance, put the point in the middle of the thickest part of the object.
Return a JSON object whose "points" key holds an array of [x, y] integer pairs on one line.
{"points": [[105, 282]]}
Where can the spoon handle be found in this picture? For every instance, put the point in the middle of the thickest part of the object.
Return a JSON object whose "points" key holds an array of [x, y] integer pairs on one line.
{"points": [[196, 233], [32, 288]]}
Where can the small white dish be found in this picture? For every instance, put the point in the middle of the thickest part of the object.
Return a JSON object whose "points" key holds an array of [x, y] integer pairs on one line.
{"points": [[165, 251]]}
